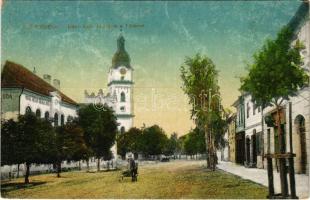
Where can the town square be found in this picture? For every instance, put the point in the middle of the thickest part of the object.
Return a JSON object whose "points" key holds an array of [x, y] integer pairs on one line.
{"points": [[155, 100]]}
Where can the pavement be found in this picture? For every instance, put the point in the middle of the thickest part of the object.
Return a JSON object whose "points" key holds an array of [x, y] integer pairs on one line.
{"points": [[260, 176]]}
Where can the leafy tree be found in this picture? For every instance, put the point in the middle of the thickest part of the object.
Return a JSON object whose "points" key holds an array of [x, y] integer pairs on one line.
{"points": [[70, 144], [200, 83], [172, 146], [100, 128], [194, 142], [130, 141], [28, 140], [9, 143], [153, 140], [274, 76]]}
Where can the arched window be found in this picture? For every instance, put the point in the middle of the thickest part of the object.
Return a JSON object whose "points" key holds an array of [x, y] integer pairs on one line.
{"points": [[38, 113], [28, 110], [62, 120], [123, 98], [46, 115], [56, 119]]}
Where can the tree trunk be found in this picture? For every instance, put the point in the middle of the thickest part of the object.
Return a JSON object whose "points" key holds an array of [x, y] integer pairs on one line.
{"points": [[17, 171], [58, 169], [98, 164], [87, 164], [282, 162], [79, 165], [27, 173], [207, 146]]}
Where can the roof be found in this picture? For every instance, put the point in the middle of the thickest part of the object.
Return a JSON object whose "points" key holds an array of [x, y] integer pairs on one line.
{"points": [[121, 57], [17, 76]]}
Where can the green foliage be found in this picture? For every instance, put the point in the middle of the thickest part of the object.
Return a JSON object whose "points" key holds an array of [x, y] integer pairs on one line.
{"points": [[172, 145], [199, 77], [275, 74], [70, 143], [100, 128], [154, 140], [10, 143], [194, 142], [130, 141]]}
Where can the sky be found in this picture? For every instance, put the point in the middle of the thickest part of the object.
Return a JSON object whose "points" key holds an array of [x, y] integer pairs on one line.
{"points": [[74, 41]]}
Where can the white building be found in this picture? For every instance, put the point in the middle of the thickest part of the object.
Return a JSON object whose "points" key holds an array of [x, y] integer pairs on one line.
{"points": [[120, 88], [23, 91]]}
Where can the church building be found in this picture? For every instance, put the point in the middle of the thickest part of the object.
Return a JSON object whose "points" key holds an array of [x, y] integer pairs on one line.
{"points": [[120, 88]]}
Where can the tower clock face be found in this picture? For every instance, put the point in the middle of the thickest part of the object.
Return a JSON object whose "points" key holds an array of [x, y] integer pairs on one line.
{"points": [[123, 71]]}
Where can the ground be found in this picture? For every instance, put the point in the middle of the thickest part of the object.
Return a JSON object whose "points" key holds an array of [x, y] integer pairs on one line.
{"points": [[176, 179]]}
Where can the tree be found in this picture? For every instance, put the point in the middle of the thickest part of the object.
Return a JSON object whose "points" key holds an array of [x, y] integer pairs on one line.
{"points": [[200, 83], [172, 146], [194, 142], [70, 144], [9, 143], [129, 141], [100, 128], [274, 76], [28, 140], [153, 140]]}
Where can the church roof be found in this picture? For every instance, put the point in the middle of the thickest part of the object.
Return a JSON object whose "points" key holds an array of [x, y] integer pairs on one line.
{"points": [[16, 76], [121, 57]]}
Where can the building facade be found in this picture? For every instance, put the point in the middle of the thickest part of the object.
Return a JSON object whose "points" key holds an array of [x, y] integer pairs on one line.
{"points": [[120, 88], [240, 131], [23, 91], [261, 137]]}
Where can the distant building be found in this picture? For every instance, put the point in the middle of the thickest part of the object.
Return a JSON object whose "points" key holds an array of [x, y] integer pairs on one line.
{"points": [[23, 91]]}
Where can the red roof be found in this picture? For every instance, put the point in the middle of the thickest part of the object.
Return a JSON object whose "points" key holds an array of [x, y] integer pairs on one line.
{"points": [[14, 75]]}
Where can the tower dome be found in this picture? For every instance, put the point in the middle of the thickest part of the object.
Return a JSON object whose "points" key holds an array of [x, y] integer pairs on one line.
{"points": [[121, 57]]}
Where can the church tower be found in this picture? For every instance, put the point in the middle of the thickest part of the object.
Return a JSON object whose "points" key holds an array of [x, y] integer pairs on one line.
{"points": [[120, 85]]}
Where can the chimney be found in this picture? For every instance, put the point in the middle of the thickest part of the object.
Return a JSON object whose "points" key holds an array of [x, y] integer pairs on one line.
{"points": [[56, 84], [47, 78]]}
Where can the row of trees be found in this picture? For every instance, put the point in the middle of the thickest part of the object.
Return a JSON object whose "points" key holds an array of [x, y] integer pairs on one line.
{"points": [[148, 141], [32, 140]]}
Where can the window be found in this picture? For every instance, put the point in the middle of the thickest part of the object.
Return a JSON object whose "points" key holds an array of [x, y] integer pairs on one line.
{"points": [[56, 119], [38, 113], [62, 120], [122, 108], [247, 110], [123, 98], [28, 110], [47, 115]]}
